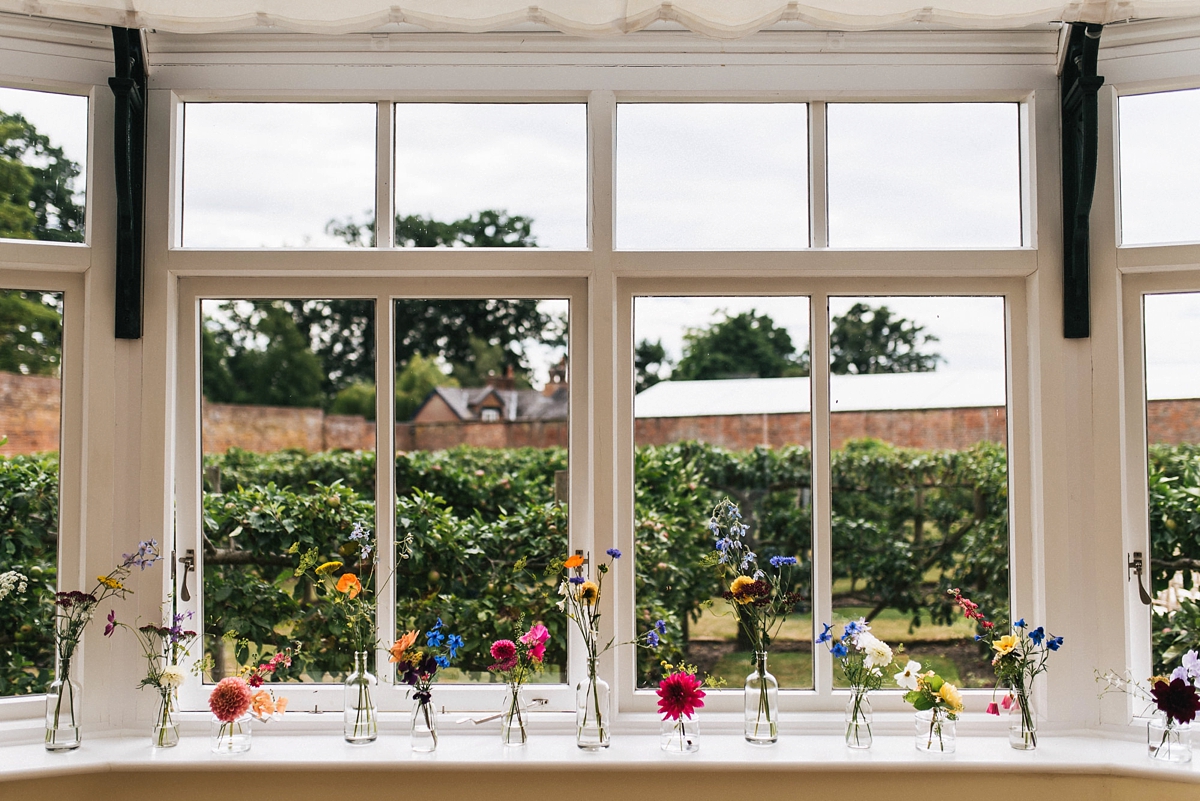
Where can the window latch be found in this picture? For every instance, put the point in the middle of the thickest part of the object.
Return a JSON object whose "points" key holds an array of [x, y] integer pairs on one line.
{"points": [[188, 560], [1135, 567], [489, 718]]}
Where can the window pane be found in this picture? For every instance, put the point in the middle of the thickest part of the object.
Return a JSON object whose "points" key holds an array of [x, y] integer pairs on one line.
{"points": [[471, 166], [288, 435], [721, 411], [481, 472], [1173, 434], [43, 185], [712, 176], [30, 401], [1160, 167], [269, 175], [920, 474], [924, 175]]}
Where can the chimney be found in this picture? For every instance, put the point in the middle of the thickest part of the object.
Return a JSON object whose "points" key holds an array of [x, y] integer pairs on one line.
{"points": [[507, 381], [558, 379]]}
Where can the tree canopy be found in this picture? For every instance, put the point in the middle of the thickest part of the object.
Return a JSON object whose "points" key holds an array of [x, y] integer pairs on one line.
{"points": [[745, 345], [30, 332], [872, 340], [37, 186]]}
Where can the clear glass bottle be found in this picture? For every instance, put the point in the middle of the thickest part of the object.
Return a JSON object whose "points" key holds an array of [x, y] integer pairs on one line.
{"points": [[231, 737], [64, 703], [935, 731], [424, 725], [514, 716], [680, 736], [1168, 740], [1022, 721], [591, 711], [165, 733], [858, 719], [762, 704], [360, 723]]}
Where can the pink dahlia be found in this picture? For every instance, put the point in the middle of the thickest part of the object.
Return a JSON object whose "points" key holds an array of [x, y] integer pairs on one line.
{"points": [[505, 654], [679, 695], [230, 699]]}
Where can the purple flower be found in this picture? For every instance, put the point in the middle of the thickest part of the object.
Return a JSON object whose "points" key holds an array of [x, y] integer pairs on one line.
{"points": [[614, 553], [780, 561], [577, 579], [112, 623], [652, 639], [660, 626]]}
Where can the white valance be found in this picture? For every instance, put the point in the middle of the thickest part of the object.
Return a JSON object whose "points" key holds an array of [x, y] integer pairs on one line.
{"points": [[726, 19]]}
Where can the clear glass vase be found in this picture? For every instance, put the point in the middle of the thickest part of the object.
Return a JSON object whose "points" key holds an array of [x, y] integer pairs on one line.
{"points": [[1168, 740], [64, 703], [858, 719], [165, 733], [762, 704], [231, 737], [360, 723], [680, 736], [1022, 721], [424, 724], [514, 716], [591, 711], [935, 731]]}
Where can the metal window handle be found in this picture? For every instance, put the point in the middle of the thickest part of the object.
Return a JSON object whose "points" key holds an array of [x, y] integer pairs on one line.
{"points": [[188, 560], [1135, 566], [532, 702]]}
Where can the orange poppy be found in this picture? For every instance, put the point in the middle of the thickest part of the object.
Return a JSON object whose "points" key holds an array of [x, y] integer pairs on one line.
{"points": [[574, 561], [401, 645], [349, 583]]}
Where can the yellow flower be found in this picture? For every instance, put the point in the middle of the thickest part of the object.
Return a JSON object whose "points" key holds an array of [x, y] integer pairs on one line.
{"points": [[327, 568], [953, 698], [589, 593], [1006, 644], [111, 583], [738, 589]]}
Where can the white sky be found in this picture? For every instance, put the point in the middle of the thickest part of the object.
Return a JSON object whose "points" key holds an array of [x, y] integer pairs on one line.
{"points": [[1160, 167]]}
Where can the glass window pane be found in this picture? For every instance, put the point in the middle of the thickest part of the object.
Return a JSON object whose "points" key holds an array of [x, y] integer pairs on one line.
{"points": [[288, 433], [721, 411], [482, 483], [924, 175], [43, 172], [270, 175], [712, 176], [1160, 167], [31, 326], [1173, 434], [465, 170], [920, 474]]}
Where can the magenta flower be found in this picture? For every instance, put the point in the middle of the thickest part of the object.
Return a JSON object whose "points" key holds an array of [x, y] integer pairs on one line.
{"points": [[992, 709], [505, 654], [679, 695], [112, 623]]}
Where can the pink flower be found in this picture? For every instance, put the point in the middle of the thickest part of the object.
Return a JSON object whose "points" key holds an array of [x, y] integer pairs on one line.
{"points": [[679, 695], [230, 699], [1006, 702], [537, 635], [537, 653], [504, 650], [992, 709]]}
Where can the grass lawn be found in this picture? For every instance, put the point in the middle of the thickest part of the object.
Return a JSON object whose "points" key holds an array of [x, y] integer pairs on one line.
{"points": [[793, 669], [891, 626]]}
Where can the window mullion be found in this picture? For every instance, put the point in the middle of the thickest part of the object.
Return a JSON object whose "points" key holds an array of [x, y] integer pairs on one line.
{"points": [[822, 559], [385, 155], [818, 206], [385, 488]]}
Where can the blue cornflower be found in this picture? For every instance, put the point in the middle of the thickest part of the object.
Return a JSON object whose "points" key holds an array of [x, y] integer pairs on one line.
{"points": [[1037, 635], [1054, 643], [825, 635], [442, 661], [577, 579], [614, 553], [780, 561], [1020, 624], [838, 650], [660, 626], [454, 642], [652, 639]]}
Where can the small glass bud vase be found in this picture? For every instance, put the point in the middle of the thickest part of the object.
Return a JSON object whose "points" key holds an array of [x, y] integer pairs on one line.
{"points": [[680, 736], [1168, 740], [858, 719], [165, 733], [1022, 721], [231, 737], [935, 731], [64, 702], [424, 725], [514, 716], [360, 723], [762, 704], [592, 701]]}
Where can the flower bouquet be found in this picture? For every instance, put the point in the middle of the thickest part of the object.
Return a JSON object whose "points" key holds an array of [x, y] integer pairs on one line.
{"points": [[1176, 702], [680, 694], [1019, 658], [73, 611], [236, 700], [163, 647], [581, 603], [418, 667], [515, 663], [938, 704], [863, 658], [761, 602]]}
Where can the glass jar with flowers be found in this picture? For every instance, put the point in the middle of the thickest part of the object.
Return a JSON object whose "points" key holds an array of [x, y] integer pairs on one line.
{"points": [[863, 658], [1176, 701], [1019, 658], [236, 701], [761, 601], [163, 648], [515, 663], [938, 704], [72, 613], [418, 667], [580, 601], [680, 694]]}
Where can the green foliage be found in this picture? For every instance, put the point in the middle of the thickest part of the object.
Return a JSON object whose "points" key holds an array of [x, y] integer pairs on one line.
{"points": [[358, 398], [1174, 513], [415, 382], [488, 228], [746, 345], [871, 340], [649, 361], [30, 332], [37, 186], [255, 354]]}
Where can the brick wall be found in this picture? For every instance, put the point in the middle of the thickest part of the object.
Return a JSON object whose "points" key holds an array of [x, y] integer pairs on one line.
{"points": [[29, 413]]}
